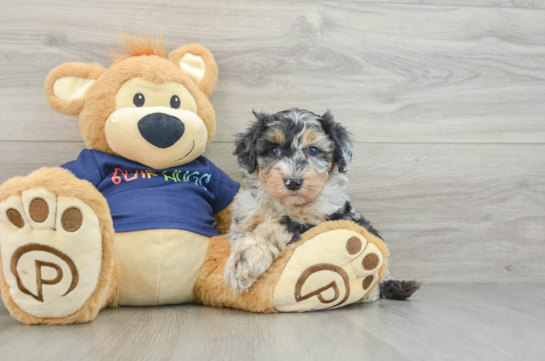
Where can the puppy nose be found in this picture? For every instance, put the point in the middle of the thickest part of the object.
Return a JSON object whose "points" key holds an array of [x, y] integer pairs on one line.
{"points": [[161, 130], [293, 184]]}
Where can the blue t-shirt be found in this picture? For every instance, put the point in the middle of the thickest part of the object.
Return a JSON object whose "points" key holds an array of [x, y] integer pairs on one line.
{"points": [[142, 198]]}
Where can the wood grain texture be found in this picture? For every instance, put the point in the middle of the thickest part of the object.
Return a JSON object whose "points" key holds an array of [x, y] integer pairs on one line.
{"points": [[525, 4], [391, 72], [449, 212], [471, 322]]}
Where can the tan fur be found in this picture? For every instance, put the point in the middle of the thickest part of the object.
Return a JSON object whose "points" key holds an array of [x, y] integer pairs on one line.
{"points": [[277, 136], [99, 100], [273, 182], [313, 181], [211, 290], [62, 182], [146, 61], [312, 136], [80, 70], [301, 201], [208, 82]]}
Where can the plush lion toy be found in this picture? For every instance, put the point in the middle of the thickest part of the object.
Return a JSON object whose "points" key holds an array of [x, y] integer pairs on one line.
{"points": [[137, 218]]}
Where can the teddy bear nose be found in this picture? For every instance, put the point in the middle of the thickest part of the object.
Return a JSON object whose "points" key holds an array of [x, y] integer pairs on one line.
{"points": [[161, 130]]}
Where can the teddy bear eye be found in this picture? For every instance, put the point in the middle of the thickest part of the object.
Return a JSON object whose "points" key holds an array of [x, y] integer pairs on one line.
{"points": [[175, 102], [139, 99]]}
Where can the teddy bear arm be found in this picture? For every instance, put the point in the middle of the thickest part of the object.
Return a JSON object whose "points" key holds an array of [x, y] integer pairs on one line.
{"points": [[224, 217]]}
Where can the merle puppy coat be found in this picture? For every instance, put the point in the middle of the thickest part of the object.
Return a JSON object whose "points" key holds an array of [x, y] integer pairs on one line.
{"points": [[294, 164]]}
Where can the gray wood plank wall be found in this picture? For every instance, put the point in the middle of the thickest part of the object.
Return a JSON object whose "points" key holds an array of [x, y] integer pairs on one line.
{"points": [[446, 100]]}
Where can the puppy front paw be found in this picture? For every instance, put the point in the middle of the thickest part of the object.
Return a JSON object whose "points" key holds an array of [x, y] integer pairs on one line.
{"points": [[237, 273], [248, 260]]}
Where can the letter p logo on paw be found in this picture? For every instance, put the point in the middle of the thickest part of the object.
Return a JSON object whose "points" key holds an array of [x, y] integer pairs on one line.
{"points": [[51, 251], [32, 251]]}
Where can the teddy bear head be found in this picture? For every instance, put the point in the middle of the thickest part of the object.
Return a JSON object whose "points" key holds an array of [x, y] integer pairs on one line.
{"points": [[143, 107]]}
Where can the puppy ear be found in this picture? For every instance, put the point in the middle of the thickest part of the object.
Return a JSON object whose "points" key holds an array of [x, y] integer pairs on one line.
{"points": [[66, 85], [198, 63], [342, 153], [246, 143]]}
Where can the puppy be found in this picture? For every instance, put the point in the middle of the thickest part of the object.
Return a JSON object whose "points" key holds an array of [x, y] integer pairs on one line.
{"points": [[294, 164]]}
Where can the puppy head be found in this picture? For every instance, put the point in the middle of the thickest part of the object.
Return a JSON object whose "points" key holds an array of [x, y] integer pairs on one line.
{"points": [[293, 153]]}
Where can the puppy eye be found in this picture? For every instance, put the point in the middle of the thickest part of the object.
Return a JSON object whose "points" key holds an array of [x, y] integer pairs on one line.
{"points": [[175, 102], [275, 152], [312, 151], [139, 99]]}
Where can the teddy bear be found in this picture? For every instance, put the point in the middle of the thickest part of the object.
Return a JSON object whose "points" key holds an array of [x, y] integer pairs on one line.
{"points": [[139, 219]]}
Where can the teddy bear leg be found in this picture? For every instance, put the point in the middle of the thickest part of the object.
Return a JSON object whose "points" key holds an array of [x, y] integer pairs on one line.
{"points": [[57, 264], [211, 290], [334, 264]]}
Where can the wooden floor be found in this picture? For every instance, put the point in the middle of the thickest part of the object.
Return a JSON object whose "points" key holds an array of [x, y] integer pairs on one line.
{"points": [[442, 322], [446, 100]]}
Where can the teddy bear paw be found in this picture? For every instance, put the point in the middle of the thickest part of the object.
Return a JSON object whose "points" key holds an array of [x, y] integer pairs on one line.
{"points": [[331, 270], [51, 249]]}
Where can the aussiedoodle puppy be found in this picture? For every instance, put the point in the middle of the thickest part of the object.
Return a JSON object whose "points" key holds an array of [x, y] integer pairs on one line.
{"points": [[294, 164]]}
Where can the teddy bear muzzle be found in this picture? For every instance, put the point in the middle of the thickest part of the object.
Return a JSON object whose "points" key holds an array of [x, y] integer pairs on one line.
{"points": [[158, 137]]}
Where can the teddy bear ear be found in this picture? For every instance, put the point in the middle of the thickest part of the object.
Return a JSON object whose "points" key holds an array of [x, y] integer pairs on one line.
{"points": [[198, 63], [66, 85]]}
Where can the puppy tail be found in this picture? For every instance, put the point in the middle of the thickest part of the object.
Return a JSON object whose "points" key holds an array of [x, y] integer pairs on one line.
{"points": [[398, 290]]}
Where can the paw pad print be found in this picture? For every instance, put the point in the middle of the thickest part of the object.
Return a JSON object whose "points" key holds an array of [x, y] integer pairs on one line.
{"points": [[333, 269], [51, 249]]}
